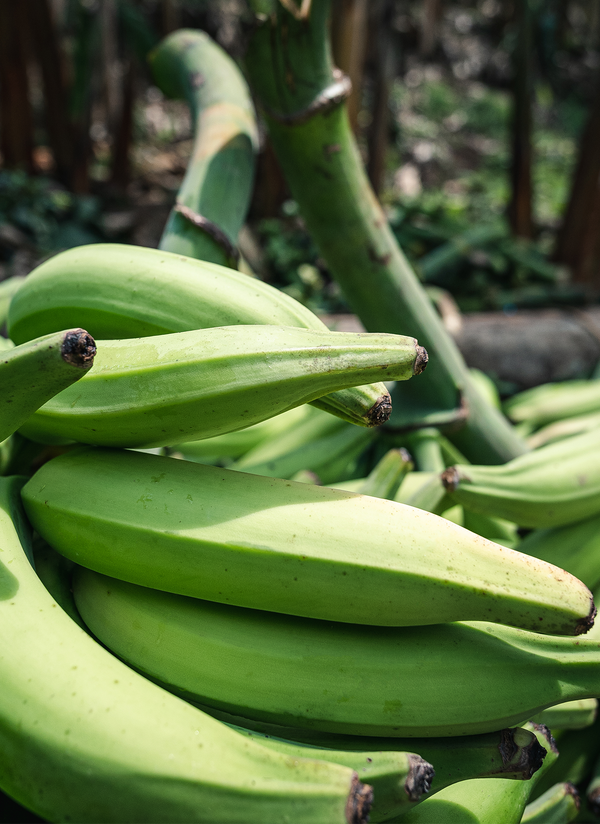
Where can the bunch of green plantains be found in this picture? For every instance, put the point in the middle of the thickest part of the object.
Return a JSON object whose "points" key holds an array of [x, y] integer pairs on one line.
{"points": [[231, 594]]}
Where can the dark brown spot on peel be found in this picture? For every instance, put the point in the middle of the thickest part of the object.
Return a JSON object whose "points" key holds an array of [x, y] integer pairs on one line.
{"points": [[571, 790], [78, 348], [379, 260], [543, 730], [360, 799]]}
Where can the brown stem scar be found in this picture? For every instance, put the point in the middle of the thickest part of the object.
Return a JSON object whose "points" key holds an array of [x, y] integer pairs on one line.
{"points": [[78, 348]]}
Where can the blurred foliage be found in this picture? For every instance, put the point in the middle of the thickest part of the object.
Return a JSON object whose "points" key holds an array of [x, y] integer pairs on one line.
{"points": [[448, 158], [35, 212], [454, 138], [293, 262]]}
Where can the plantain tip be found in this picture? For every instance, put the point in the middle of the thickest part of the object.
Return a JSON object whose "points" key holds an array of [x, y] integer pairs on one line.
{"points": [[420, 360], [450, 478], [570, 789], [587, 623], [419, 778], [543, 730], [360, 799], [380, 411], [527, 757], [78, 348]]}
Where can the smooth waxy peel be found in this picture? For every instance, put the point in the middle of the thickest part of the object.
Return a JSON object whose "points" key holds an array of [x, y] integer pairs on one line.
{"points": [[289, 547], [109, 746], [132, 291], [166, 389], [442, 680], [34, 372], [551, 486]]}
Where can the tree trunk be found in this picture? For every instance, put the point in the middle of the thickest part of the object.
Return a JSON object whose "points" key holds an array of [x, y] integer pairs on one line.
{"points": [[50, 58], [348, 41], [577, 239], [519, 211], [384, 64], [16, 120], [82, 92], [431, 17], [123, 133]]}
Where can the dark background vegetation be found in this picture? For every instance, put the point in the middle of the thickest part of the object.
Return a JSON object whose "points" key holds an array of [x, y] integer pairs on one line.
{"points": [[479, 122]]}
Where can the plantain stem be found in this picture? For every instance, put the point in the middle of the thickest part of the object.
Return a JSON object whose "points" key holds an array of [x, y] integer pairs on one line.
{"points": [[290, 68], [215, 193]]}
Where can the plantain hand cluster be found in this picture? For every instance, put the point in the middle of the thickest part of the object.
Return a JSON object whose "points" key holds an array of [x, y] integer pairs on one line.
{"points": [[202, 631]]}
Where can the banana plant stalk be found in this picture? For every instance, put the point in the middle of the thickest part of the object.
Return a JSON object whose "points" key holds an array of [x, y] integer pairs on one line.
{"points": [[214, 196], [290, 68]]}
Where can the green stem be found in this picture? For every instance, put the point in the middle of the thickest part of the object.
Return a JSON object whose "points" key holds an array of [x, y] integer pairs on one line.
{"points": [[424, 446], [290, 68], [213, 199]]}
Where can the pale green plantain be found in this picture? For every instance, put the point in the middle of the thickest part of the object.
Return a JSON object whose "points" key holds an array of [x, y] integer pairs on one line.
{"points": [[326, 446], [509, 753], [558, 805], [495, 529], [554, 485], [424, 446], [571, 715], [289, 547], [234, 444], [8, 287], [574, 547], [485, 801], [165, 389], [84, 738], [579, 749], [384, 480], [123, 291], [55, 571], [34, 372], [566, 428], [553, 402], [442, 680], [398, 778]]}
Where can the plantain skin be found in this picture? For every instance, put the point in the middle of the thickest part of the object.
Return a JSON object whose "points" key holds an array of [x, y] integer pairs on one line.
{"points": [[289, 547], [109, 746], [119, 291], [554, 485], [460, 678], [34, 372], [160, 390]]}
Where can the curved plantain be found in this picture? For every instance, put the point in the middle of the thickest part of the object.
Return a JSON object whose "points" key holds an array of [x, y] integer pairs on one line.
{"points": [[289, 547], [165, 389], [442, 680], [120, 291]]}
